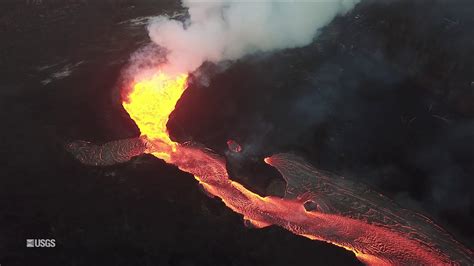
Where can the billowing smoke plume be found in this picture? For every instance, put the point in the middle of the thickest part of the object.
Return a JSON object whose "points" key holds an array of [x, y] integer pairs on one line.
{"points": [[228, 29]]}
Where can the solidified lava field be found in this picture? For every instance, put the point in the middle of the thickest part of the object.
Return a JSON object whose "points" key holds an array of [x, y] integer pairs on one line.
{"points": [[385, 96]]}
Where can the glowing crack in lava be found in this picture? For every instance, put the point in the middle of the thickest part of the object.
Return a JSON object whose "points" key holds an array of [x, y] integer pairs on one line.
{"points": [[318, 205]]}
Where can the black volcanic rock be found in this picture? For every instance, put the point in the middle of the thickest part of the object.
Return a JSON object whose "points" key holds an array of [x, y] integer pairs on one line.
{"points": [[384, 95]]}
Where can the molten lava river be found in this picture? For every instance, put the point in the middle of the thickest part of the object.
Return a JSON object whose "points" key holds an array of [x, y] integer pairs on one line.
{"points": [[317, 205]]}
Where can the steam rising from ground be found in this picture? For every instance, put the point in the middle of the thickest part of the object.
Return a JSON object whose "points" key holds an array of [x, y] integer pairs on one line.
{"points": [[229, 29]]}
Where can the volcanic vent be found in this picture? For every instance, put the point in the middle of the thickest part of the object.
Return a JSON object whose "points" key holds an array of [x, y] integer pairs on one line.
{"points": [[317, 204]]}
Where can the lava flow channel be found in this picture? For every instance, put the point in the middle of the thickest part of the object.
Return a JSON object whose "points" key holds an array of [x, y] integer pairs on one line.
{"points": [[317, 205]]}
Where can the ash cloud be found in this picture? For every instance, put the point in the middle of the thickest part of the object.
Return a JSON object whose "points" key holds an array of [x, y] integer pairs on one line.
{"points": [[229, 29]]}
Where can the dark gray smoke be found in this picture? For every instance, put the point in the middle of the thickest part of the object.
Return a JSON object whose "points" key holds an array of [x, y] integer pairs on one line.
{"points": [[381, 96]]}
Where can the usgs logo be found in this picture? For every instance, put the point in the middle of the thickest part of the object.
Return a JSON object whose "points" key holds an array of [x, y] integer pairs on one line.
{"points": [[40, 243]]}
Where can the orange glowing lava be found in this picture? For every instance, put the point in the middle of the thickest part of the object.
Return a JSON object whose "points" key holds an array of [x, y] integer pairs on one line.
{"points": [[356, 219]]}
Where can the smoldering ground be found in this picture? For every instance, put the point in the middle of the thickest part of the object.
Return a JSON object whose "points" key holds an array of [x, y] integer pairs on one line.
{"points": [[384, 95]]}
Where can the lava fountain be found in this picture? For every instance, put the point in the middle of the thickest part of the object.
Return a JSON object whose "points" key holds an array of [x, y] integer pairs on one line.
{"points": [[318, 205], [150, 103]]}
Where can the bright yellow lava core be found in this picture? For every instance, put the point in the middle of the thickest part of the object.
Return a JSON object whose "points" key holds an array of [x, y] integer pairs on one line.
{"points": [[150, 103]]}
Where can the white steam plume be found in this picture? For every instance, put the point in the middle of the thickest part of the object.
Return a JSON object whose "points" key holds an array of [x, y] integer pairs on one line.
{"points": [[229, 29]]}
